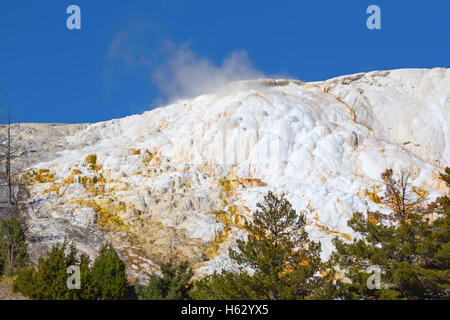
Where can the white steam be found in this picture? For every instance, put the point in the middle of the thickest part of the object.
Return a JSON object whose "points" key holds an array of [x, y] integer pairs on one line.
{"points": [[183, 74]]}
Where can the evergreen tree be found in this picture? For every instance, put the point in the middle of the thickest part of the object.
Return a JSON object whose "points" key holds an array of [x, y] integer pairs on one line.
{"points": [[412, 252], [285, 263], [107, 278], [49, 281], [174, 284], [87, 290], [13, 249]]}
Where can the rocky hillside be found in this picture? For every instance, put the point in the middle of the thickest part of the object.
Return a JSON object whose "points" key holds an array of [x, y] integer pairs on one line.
{"points": [[182, 179]]}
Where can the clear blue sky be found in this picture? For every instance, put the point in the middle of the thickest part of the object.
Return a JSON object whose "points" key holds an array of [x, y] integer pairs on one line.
{"points": [[106, 70]]}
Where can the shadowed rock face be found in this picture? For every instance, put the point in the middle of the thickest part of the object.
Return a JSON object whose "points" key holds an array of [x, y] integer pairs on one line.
{"points": [[181, 180], [37, 142], [32, 143]]}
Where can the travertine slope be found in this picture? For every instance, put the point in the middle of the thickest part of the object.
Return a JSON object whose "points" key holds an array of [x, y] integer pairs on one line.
{"points": [[181, 179]]}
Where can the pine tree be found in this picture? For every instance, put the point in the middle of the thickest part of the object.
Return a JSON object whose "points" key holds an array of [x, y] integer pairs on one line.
{"points": [[13, 249], [174, 284], [285, 263], [49, 281], [412, 252], [107, 277]]}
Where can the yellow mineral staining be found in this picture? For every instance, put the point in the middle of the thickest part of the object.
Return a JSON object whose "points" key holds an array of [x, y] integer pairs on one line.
{"points": [[84, 180], [239, 219], [346, 236], [327, 230], [219, 239], [346, 106], [91, 161], [228, 185], [117, 185], [108, 211], [158, 224], [148, 157], [232, 209], [327, 90], [41, 176], [54, 188], [249, 181], [71, 178], [258, 97], [163, 125], [421, 193], [157, 161], [135, 152], [323, 228], [311, 211], [239, 215], [220, 115], [232, 218], [92, 183], [373, 195]]}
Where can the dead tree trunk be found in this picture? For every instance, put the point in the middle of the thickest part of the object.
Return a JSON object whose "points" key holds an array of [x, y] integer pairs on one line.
{"points": [[8, 158], [7, 153]]}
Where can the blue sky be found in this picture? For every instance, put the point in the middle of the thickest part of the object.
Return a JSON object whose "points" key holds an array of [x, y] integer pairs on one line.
{"points": [[128, 53]]}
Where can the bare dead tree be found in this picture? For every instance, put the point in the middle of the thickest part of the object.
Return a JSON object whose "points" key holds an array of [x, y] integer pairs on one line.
{"points": [[7, 153], [401, 197], [10, 151], [8, 157]]}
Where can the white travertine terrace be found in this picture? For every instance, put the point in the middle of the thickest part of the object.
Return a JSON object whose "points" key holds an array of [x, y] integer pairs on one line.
{"points": [[322, 144]]}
